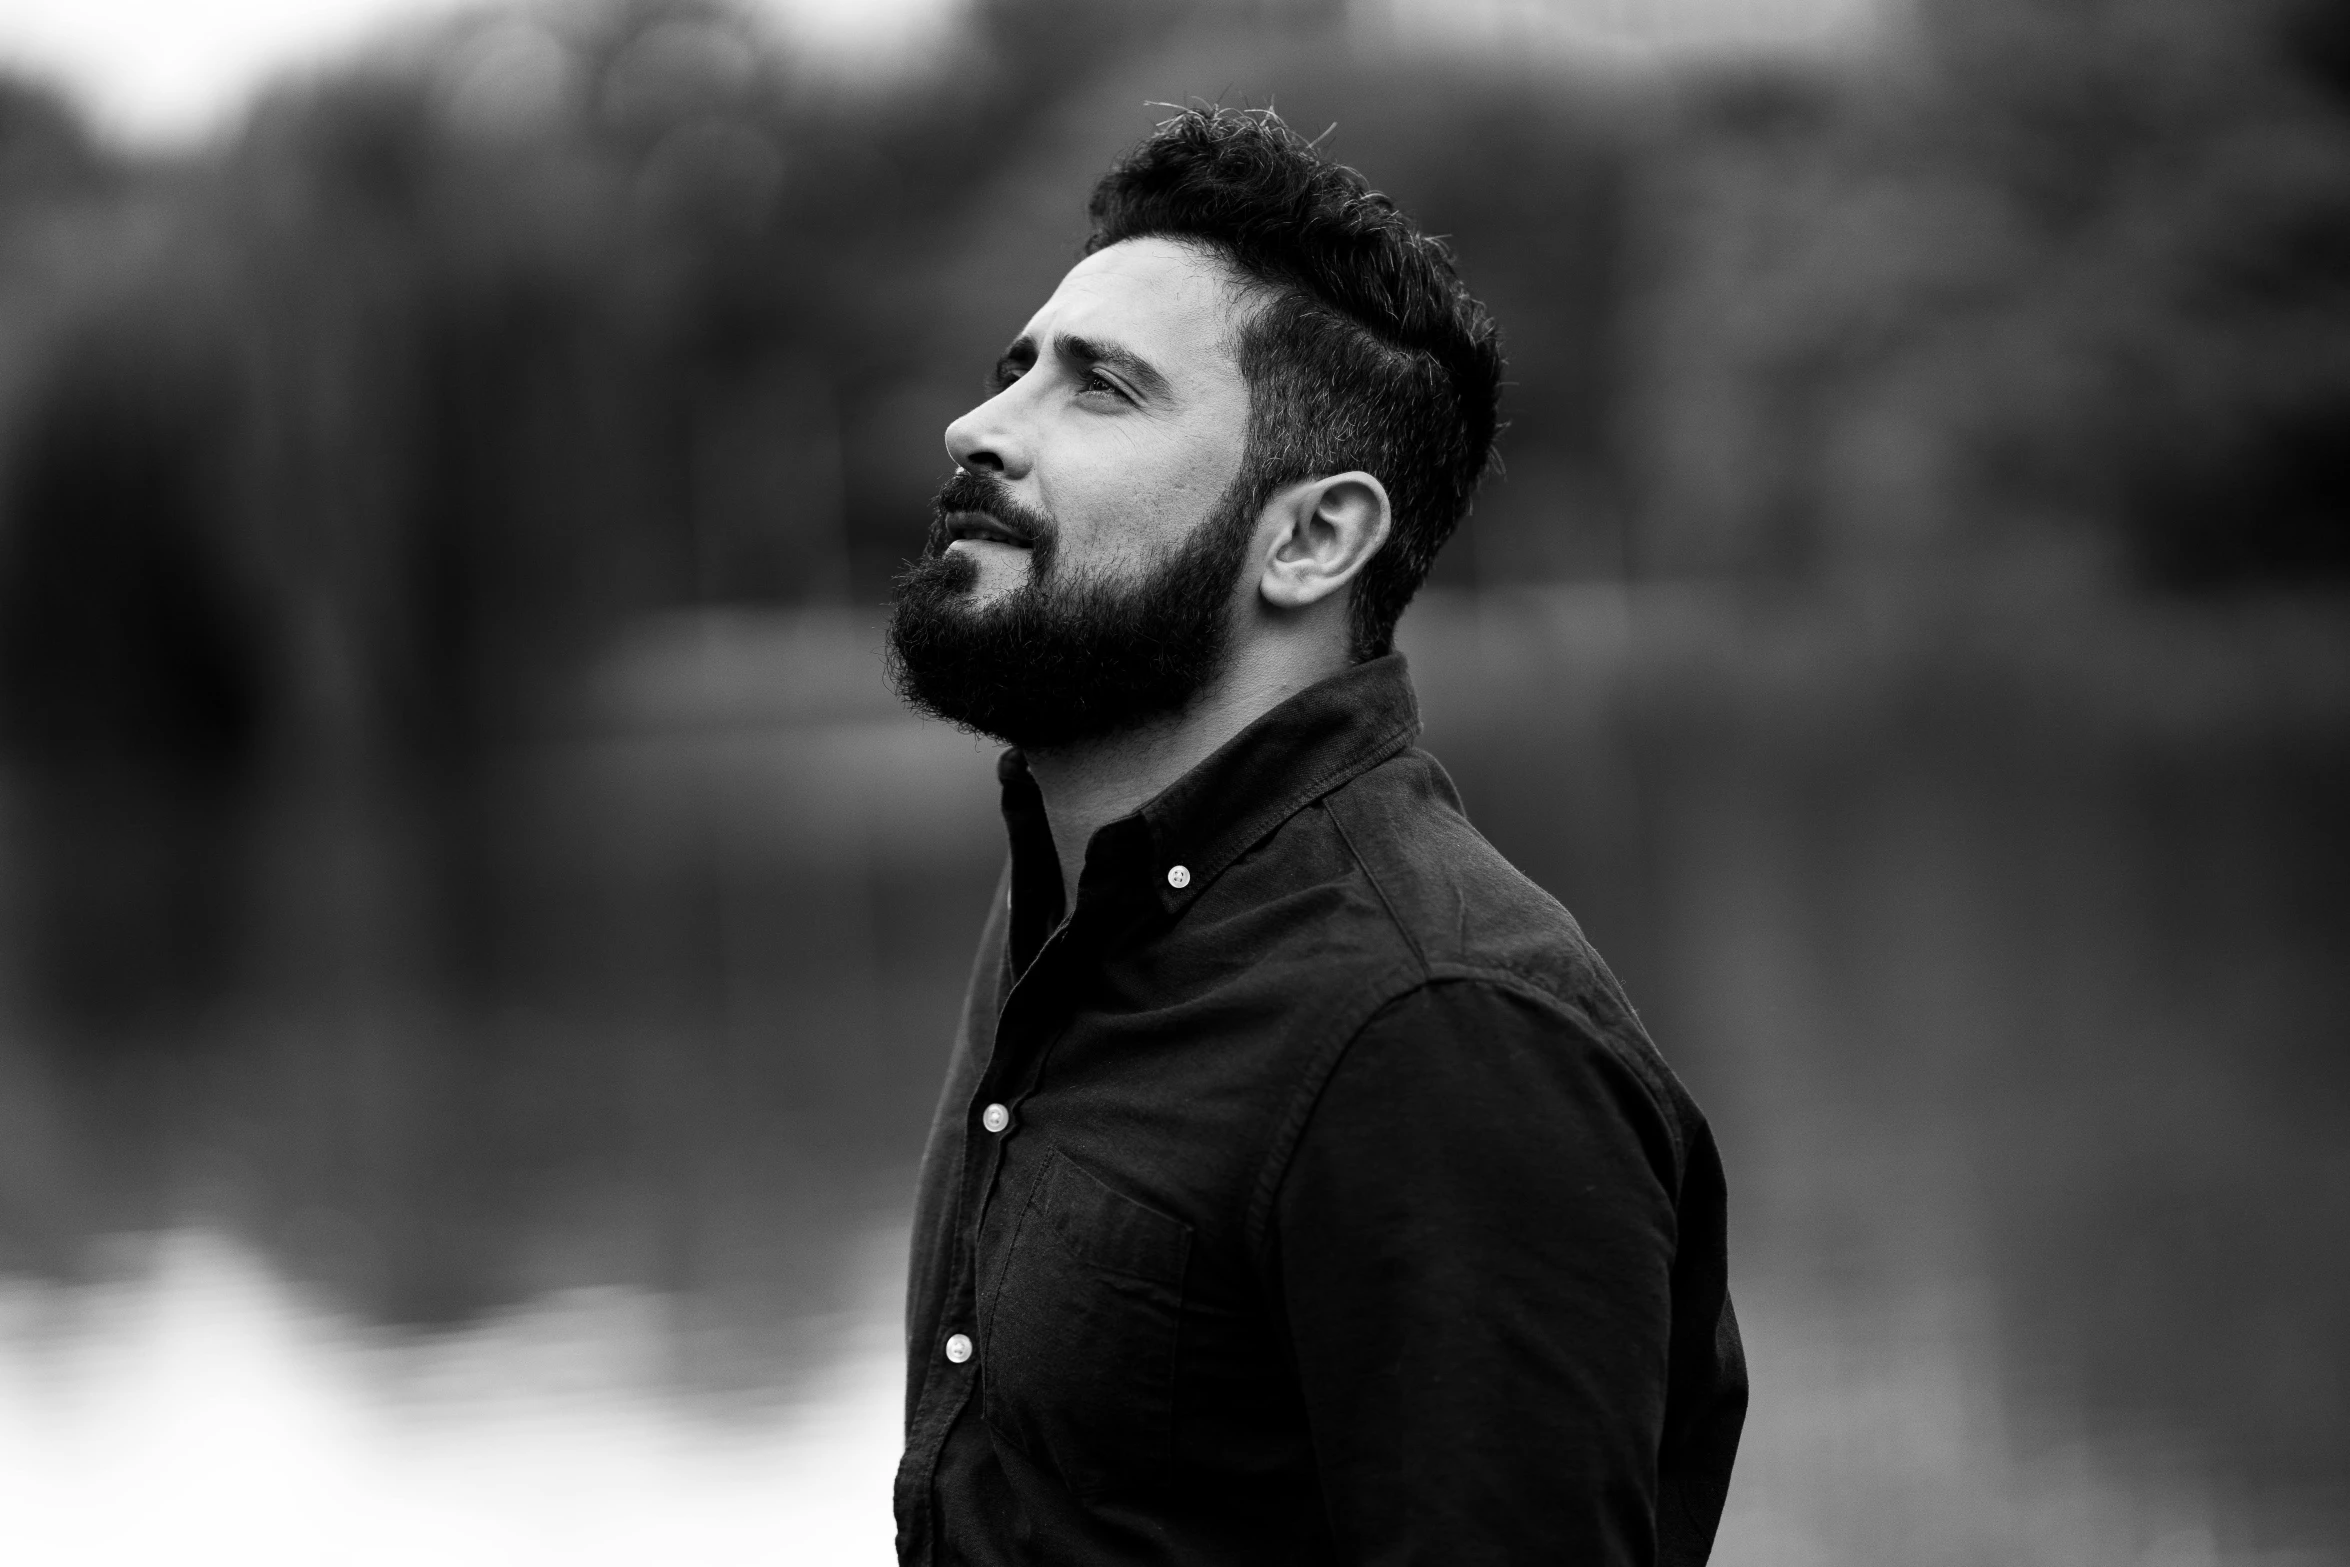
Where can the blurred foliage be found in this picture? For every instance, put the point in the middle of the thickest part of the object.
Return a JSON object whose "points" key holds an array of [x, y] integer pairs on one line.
{"points": [[335, 452], [2066, 287], [565, 312]]}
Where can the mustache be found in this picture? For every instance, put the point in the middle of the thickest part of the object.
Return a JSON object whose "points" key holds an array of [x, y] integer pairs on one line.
{"points": [[967, 492]]}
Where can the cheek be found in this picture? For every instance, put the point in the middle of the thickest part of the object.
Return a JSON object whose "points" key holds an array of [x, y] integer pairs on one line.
{"points": [[1128, 511]]}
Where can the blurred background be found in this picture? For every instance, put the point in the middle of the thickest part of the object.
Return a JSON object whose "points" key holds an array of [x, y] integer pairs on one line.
{"points": [[478, 939]]}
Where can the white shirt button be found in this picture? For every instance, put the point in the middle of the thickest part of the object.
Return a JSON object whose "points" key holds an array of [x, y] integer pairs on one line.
{"points": [[959, 1348], [1178, 876], [995, 1118]]}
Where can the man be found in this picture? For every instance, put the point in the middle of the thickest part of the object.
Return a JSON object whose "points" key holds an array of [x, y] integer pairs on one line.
{"points": [[1304, 1189]]}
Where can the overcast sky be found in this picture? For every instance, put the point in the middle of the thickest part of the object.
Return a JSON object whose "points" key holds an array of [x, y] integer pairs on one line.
{"points": [[161, 72], [164, 72]]}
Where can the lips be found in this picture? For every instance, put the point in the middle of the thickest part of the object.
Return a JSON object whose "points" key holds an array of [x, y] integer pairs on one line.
{"points": [[979, 525]]}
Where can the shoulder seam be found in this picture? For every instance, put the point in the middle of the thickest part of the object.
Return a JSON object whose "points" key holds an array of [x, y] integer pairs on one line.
{"points": [[1419, 953], [1324, 1063], [1318, 1069], [1640, 1064]]}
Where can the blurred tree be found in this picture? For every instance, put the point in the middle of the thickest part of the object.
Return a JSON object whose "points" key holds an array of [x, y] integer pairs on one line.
{"points": [[2066, 284], [560, 315], [566, 313], [134, 678]]}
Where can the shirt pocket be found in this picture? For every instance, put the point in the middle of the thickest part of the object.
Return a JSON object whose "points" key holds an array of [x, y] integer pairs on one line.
{"points": [[1078, 1338]]}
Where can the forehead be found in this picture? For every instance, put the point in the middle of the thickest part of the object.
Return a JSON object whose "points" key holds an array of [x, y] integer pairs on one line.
{"points": [[1174, 304]]}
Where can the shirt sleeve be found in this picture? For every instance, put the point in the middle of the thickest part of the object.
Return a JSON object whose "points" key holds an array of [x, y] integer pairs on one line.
{"points": [[1475, 1243]]}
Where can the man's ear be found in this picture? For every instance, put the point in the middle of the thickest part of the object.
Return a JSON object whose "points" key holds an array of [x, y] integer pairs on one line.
{"points": [[1318, 534]]}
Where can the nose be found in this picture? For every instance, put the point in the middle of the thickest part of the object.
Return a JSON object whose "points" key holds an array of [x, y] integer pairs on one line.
{"points": [[985, 440]]}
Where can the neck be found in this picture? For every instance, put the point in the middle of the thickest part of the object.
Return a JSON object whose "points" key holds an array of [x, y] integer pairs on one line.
{"points": [[1089, 784]]}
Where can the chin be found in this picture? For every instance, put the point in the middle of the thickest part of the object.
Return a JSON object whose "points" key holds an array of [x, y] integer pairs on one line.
{"points": [[991, 588], [985, 579]]}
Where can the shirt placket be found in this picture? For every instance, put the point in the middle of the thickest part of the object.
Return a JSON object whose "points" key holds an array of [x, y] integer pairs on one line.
{"points": [[1034, 1010], [1024, 1027]]}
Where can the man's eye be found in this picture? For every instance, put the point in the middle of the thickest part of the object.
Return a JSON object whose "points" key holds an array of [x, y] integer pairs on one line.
{"points": [[1095, 381]]}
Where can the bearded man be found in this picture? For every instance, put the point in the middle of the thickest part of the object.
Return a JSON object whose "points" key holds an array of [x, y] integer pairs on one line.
{"points": [[1304, 1190]]}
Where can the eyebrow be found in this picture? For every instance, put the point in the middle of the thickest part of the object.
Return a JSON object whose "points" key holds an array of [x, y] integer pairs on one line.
{"points": [[1086, 351]]}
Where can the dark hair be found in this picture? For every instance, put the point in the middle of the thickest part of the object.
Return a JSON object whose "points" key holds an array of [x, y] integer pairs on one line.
{"points": [[1369, 353]]}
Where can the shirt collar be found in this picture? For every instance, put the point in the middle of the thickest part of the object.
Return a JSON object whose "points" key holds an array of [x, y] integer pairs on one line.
{"points": [[1290, 756]]}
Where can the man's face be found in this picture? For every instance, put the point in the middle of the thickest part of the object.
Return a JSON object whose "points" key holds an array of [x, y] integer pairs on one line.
{"points": [[1119, 416], [1084, 563]]}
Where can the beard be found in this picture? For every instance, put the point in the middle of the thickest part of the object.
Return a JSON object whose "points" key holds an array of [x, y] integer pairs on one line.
{"points": [[1064, 657]]}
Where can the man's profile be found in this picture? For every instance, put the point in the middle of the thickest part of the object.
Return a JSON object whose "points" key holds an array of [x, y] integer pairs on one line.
{"points": [[1304, 1188]]}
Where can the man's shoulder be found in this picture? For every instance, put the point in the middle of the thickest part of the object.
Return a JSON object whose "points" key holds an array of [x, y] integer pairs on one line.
{"points": [[1382, 888], [1458, 904], [1452, 895], [1476, 924]]}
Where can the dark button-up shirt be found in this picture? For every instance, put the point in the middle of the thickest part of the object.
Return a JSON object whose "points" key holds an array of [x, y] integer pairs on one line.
{"points": [[1310, 1193]]}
